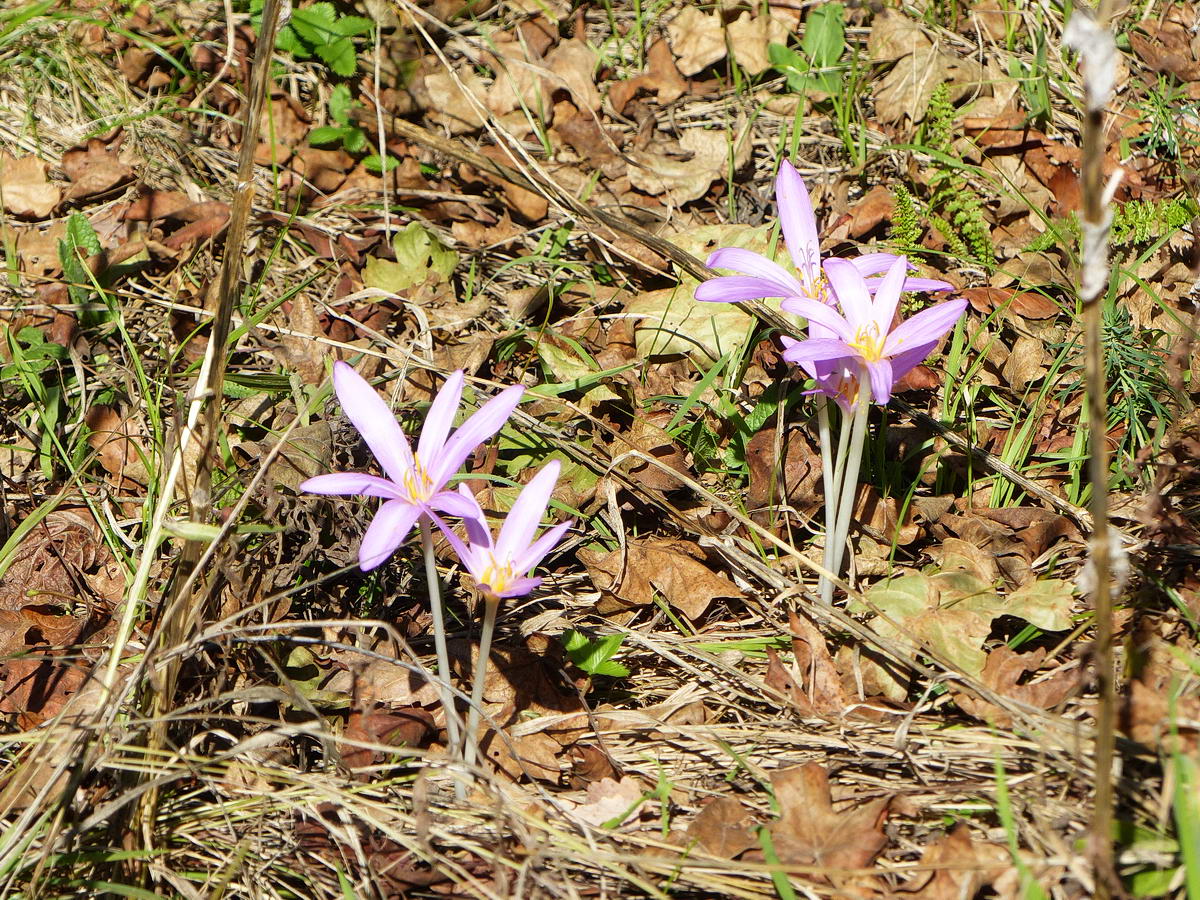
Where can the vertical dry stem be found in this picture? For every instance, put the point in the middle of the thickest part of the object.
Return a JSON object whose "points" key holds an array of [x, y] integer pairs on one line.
{"points": [[1097, 50]]}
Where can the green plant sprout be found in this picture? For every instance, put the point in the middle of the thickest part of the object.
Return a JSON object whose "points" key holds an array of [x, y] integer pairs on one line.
{"points": [[595, 656], [319, 31], [352, 138]]}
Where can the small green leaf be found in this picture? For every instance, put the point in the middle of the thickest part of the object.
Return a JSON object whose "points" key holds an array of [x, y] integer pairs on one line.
{"points": [[340, 104], [352, 26], [315, 24], [594, 656], [418, 256], [339, 55], [327, 134], [373, 165], [82, 234], [355, 140], [824, 35]]}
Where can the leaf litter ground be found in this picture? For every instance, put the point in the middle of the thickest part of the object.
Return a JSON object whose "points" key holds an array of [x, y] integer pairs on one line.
{"points": [[929, 739]]}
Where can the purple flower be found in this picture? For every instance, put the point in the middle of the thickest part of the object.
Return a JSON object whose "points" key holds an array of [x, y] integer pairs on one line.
{"points": [[501, 569], [762, 277], [415, 485], [864, 333]]}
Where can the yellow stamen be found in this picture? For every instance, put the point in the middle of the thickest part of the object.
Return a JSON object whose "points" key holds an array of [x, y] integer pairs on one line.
{"points": [[496, 576], [417, 482], [868, 342]]}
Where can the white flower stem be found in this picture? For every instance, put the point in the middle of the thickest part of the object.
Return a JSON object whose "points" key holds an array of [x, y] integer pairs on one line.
{"points": [[826, 439], [832, 558], [439, 633], [490, 605], [849, 484]]}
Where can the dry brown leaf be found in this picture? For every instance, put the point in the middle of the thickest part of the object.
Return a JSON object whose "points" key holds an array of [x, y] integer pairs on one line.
{"points": [[519, 77], [723, 828], [393, 728], [24, 187], [810, 832], [1003, 673], [114, 438], [94, 169], [37, 688], [905, 90], [574, 64], [682, 179], [661, 76], [813, 682], [876, 207], [456, 108], [608, 800], [697, 39], [796, 483], [671, 569], [1027, 362], [958, 867], [748, 39], [1028, 304]]}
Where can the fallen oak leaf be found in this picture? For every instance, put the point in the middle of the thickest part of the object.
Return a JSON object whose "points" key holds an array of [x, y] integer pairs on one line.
{"points": [[810, 832]]}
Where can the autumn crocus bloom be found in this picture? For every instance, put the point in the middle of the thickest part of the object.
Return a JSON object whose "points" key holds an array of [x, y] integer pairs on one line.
{"points": [[863, 332], [415, 485], [762, 277], [501, 568]]}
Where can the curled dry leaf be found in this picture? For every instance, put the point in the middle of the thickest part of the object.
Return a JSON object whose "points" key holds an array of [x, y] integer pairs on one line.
{"points": [[697, 38], [813, 683], [24, 187], [1003, 673], [573, 66], [94, 169], [1029, 304], [114, 438], [682, 178], [674, 570], [661, 76], [454, 100], [393, 728]]}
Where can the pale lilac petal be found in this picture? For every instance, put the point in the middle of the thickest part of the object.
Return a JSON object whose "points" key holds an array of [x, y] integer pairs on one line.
{"points": [[927, 326], [473, 432], [817, 349], [476, 524], [454, 504], [374, 421], [468, 554], [924, 284], [528, 560], [880, 373], [347, 483], [747, 262], [519, 587], [387, 531], [821, 314], [887, 295], [523, 519], [873, 263], [903, 363], [733, 288], [798, 222], [439, 418], [850, 288], [807, 365]]}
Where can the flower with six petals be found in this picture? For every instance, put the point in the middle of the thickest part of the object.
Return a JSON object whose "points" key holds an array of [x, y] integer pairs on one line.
{"points": [[415, 485]]}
